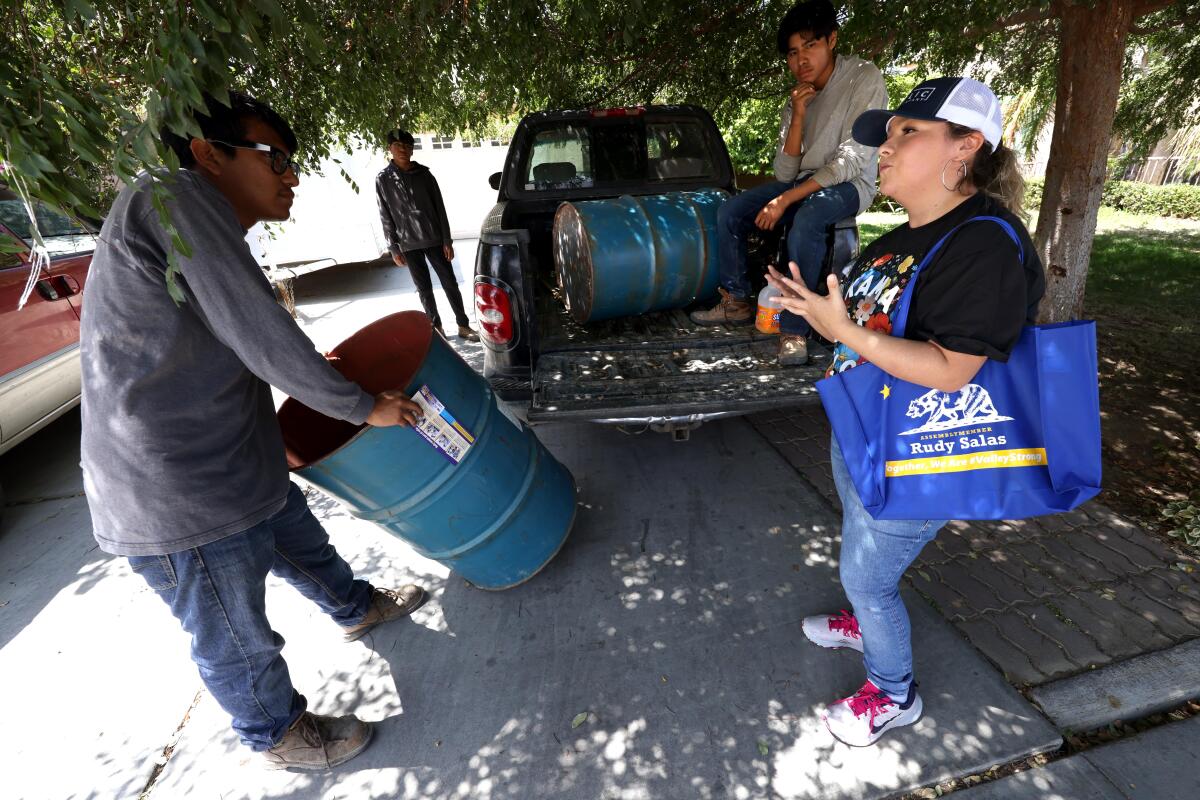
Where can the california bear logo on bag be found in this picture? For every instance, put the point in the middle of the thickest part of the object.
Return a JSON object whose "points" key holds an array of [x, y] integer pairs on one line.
{"points": [[970, 405]]}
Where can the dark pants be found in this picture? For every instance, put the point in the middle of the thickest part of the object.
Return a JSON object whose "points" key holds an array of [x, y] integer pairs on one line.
{"points": [[419, 269], [809, 219], [218, 592]]}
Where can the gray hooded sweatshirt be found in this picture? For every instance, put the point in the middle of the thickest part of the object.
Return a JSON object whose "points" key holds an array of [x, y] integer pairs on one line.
{"points": [[181, 446], [829, 152]]}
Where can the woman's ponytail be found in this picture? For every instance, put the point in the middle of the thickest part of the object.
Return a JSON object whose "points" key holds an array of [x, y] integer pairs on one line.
{"points": [[997, 173]]}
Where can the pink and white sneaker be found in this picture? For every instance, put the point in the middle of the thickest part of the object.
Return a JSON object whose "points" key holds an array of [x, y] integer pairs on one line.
{"points": [[860, 719], [834, 630]]}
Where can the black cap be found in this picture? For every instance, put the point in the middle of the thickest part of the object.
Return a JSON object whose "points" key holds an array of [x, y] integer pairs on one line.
{"points": [[399, 135], [963, 101]]}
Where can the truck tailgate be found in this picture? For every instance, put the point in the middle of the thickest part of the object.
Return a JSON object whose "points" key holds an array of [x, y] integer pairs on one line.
{"points": [[660, 365]]}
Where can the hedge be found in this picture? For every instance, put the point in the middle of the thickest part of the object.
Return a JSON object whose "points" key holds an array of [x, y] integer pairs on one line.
{"points": [[1172, 200]]}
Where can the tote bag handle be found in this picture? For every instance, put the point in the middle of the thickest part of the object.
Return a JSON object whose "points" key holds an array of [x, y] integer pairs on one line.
{"points": [[906, 298]]}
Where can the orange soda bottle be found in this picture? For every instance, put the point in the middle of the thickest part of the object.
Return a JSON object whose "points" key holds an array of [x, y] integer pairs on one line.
{"points": [[767, 318]]}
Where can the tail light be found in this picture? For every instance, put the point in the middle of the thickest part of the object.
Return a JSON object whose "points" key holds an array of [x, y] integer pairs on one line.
{"points": [[493, 311]]}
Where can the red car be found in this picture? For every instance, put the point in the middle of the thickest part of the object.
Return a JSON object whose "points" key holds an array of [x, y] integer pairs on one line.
{"points": [[39, 344]]}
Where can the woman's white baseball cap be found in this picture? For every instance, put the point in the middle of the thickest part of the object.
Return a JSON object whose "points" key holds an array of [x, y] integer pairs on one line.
{"points": [[963, 101]]}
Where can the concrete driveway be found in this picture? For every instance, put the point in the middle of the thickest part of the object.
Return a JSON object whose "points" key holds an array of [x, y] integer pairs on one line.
{"points": [[658, 656]]}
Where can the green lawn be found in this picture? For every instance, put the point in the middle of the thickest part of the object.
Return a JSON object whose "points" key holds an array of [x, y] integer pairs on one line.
{"points": [[1142, 291], [1143, 264]]}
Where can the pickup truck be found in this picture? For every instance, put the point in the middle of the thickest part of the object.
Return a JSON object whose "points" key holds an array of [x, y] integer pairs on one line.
{"points": [[656, 370]]}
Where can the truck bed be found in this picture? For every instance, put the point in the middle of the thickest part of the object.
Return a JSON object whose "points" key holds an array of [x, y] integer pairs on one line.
{"points": [[660, 364]]}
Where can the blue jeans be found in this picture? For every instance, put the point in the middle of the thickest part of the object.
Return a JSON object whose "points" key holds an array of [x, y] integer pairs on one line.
{"points": [[805, 240], [875, 554], [218, 593]]}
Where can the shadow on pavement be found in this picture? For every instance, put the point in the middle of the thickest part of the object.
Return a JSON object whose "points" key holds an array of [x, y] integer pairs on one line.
{"points": [[658, 656]]}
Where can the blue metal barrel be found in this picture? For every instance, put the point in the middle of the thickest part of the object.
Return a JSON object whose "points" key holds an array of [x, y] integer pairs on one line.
{"points": [[630, 255], [485, 498]]}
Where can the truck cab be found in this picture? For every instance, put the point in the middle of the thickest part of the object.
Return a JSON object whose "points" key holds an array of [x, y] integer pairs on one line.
{"points": [[657, 369]]}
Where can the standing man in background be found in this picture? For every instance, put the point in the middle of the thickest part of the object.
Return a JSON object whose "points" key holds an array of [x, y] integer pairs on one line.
{"points": [[822, 175], [417, 230]]}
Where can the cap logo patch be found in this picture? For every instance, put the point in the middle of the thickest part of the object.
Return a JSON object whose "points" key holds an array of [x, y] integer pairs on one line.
{"points": [[919, 95]]}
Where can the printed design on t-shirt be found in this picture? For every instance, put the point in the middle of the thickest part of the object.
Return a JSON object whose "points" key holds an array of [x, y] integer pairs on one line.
{"points": [[971, 405], [872, 293]]}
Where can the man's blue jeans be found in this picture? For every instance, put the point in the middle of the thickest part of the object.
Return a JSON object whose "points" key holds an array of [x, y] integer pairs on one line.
{"points": [[875, 554], [218, 593], [805, 243]]}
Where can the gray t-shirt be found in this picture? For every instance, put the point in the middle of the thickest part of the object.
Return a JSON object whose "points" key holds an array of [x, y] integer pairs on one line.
{"points": [[829, 152], [181, 445]]}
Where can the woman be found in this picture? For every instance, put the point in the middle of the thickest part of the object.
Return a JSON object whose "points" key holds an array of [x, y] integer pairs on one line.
{"points": [[941, 158]]}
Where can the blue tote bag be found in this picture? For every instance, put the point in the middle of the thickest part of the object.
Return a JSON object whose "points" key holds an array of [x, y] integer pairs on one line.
{"points": [[1021, 439]]}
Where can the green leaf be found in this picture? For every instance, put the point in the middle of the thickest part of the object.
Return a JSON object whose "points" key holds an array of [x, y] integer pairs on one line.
{"points": [[145, 145], [218, 20], [181, 246], [580, 718], [763, 748], [173, 289], [80, 8]]}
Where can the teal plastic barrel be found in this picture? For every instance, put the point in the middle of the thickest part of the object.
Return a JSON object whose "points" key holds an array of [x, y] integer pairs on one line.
{"points": [[483, 496], [631, 255]]}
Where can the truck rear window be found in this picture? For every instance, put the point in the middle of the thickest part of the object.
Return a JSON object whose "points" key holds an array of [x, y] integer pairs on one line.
{"points": [[572, 155]]}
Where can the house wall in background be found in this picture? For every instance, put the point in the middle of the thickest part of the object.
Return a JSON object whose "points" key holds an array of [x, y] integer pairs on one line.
{"points": [[331, 221]]}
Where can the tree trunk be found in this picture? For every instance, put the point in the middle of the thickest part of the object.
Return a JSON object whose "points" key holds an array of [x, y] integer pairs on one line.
{"points": [[1091, 54]]}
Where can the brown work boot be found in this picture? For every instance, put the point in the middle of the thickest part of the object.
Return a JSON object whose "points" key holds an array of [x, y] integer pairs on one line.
{"points": [[793, 350], [386, 605], [466, 334], [730, 311], [317, 742]]}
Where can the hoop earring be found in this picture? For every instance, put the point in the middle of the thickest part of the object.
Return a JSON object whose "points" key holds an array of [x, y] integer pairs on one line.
{"points": [[961, 169]]}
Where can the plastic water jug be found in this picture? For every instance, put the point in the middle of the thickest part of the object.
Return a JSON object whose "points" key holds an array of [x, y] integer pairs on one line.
{"points": [[767, 318]]}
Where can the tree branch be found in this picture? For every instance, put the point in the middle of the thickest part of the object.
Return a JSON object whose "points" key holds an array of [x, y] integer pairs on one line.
{"points": [[1145, 7], [1020, 18], [1165, 26]]}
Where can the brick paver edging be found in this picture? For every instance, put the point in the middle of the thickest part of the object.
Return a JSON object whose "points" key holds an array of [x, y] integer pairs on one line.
{"points": [[1041, 598]]}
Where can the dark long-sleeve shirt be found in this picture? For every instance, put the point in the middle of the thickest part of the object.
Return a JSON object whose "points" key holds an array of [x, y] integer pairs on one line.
{"points": [[411, 208], [181, 445]]}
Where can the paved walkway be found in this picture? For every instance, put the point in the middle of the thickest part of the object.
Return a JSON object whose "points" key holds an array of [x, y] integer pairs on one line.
{"points": [[670, 622], [1041, 598]]}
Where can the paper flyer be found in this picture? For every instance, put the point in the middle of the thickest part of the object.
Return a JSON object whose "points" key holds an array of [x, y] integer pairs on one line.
{"points": [[440, 428]]}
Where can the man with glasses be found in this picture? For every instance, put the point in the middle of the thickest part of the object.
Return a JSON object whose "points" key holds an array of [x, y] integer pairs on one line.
{"points": [[417, 230], [183, 459]]}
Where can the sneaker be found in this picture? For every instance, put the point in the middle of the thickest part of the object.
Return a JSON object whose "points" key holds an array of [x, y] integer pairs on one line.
{"points": [[386, 605], [834, 630], [859, 720], [793, 351], [730, 311], [317, 742], [466, 334]]}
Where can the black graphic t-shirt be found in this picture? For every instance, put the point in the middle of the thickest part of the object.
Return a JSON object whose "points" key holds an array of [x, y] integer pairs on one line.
{"points": [[974, 297]]}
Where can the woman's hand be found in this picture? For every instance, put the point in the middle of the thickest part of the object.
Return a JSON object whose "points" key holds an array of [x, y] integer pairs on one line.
{"points": [[769, 216], [827, 314]]}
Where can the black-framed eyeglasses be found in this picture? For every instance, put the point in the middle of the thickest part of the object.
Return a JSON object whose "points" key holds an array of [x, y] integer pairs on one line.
{"points": [[280, 161]]}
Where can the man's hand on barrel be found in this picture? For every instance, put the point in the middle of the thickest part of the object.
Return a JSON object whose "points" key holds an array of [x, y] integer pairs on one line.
{"points": [[393, 408]]}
